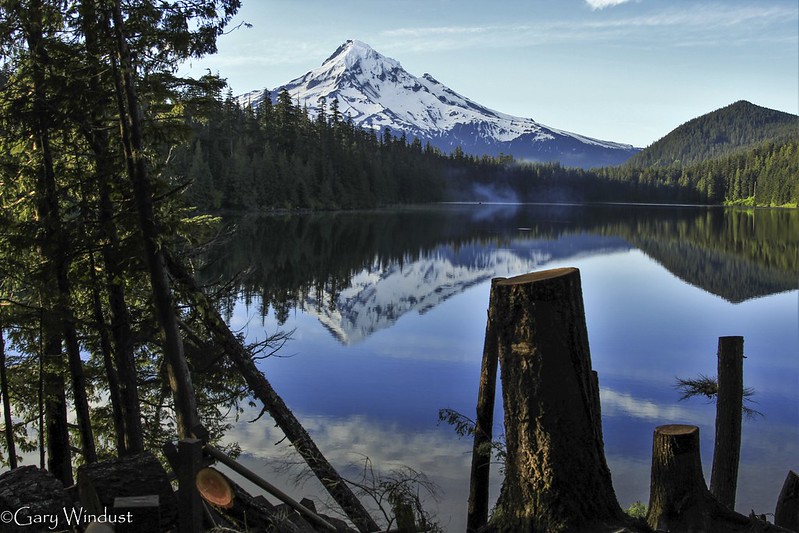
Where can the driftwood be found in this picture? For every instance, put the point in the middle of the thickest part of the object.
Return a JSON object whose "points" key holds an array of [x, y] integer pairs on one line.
{"points": [[679, 500], [556, 476], [787, 512], [37, 493], [99, 484]]}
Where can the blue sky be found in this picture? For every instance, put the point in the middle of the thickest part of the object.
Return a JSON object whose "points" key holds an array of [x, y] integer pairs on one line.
{"points": [[620, 70]]}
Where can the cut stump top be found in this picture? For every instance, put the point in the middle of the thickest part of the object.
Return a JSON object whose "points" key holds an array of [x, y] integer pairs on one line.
{"points": [[676, 429], [533, 277]]}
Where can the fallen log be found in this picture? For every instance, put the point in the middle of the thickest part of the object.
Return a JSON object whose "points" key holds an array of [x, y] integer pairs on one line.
{"points": [[232, 347]]}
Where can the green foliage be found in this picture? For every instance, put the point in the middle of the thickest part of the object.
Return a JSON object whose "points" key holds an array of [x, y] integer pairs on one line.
{"points": [[465, 427], [709, 388], [63, 54], [637, 510]]}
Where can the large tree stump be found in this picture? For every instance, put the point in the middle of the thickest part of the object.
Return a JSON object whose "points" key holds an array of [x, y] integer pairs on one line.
{"points": [[556, 476], [729, 410], [787, 512], [35, 493], [99, 484]]}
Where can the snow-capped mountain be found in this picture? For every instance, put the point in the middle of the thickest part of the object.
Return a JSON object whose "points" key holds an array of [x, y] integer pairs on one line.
{"points": [[376, 92]]}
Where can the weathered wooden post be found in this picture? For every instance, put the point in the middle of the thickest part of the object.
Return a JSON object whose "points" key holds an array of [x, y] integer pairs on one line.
{"points": [[190, 454], [477, 513], [556, 476], [729, 410], [787, 512]]}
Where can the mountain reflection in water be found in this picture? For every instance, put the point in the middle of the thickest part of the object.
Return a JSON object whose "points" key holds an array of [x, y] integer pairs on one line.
{"points": [[404, 294], [359, 272]]}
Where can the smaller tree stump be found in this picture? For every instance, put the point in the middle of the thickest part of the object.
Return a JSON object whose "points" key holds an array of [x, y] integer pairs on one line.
{"points": [[679, 499], [787, 512], [677, 491]]}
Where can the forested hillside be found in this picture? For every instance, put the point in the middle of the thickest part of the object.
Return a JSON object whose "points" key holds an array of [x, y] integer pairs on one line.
{"points": [[766, 175], [716, 134]]}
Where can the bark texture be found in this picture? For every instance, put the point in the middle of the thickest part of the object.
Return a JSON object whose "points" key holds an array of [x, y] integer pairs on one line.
{"points": [[556, 476], [35, 489], [133, 475], [679, 500]]}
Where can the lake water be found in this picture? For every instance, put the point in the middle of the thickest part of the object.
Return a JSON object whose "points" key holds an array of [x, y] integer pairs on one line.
{"points": [[389, 307]]}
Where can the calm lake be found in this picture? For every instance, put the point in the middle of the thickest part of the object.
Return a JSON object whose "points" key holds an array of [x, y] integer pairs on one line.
{"points": [[388, 309]]}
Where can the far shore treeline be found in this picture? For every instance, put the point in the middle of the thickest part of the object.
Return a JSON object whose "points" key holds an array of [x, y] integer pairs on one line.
{"points": [[281, 156]]}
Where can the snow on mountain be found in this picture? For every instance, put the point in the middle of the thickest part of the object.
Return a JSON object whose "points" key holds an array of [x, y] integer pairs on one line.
{"points": [[375, 92]]}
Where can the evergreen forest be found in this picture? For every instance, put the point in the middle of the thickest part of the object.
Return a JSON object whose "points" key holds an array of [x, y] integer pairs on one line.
{"points": [[278, 157]]}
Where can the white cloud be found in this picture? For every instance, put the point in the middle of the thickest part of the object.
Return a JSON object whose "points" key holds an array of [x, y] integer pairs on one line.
{"points": [[705, 24], [602, 4]]}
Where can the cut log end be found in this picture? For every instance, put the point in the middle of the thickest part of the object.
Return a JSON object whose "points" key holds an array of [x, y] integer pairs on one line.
{"points": [[533, 277], [214, 488]]}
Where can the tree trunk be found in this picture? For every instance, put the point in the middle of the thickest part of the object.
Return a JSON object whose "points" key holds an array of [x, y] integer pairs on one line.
{"points": [[133, 475], [59, 457], [282, 415], [787, 512], [477, 516], [79, 386], [114, 393], [556, 476], [98, 139], [130, 122], [729, 409], [9, 424]]}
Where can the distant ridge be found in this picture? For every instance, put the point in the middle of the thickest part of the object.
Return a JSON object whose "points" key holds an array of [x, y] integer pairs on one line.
{"points": [[718, 133], [377, 93]]}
